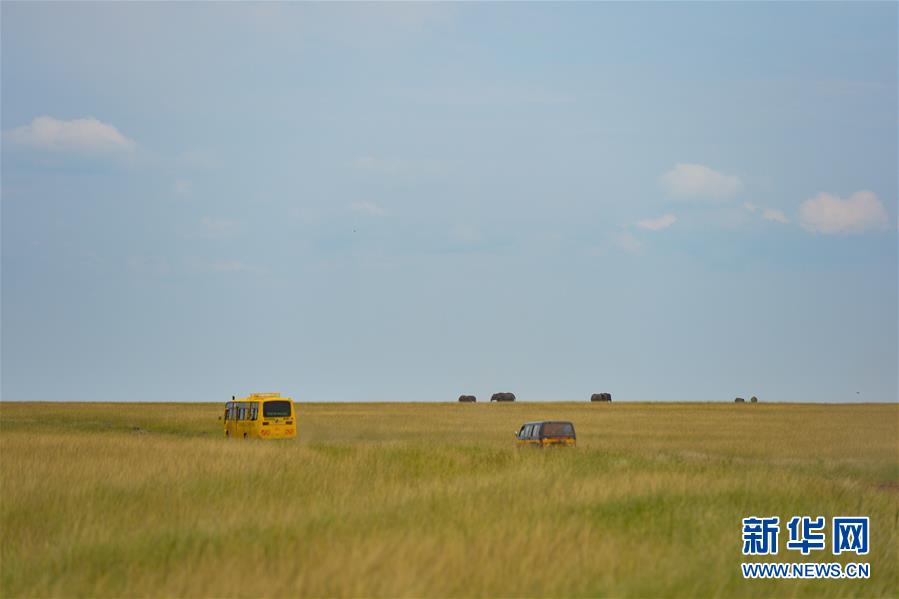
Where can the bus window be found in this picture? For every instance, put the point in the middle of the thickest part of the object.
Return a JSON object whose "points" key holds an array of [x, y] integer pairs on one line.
{"points": [[276, 409]]}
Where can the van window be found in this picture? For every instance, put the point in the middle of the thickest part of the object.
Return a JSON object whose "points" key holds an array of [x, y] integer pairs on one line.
{"points": [[535, 434], [276, 409], [558, 429]]}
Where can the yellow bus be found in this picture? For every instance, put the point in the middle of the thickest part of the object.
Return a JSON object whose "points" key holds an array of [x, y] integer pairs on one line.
{"points": [[260, 416]]}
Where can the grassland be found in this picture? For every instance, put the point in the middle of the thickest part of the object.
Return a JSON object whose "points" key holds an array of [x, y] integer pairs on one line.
{"points": [[433, 499]]}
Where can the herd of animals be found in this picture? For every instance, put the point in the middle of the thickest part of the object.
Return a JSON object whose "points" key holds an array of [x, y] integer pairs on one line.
{"points": [[506, 396]]}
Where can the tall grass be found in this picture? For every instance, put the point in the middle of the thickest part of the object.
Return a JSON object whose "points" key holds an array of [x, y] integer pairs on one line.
{"points": [[419, 500]]}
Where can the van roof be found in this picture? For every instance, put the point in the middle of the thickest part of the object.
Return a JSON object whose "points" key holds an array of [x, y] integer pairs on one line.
{"points": [[548, 422]]}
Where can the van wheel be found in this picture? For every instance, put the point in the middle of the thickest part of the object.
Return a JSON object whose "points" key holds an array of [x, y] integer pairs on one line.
{"points": [[244, 435], [227, 433]]}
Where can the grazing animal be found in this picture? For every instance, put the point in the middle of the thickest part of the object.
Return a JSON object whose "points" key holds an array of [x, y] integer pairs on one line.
{"points": [[467, 398], [754, 399], [739, 400], [601, 397], [503, 397]]}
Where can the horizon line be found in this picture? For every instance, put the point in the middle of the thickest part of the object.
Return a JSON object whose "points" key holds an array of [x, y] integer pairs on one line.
{"points": [[432, 402]]}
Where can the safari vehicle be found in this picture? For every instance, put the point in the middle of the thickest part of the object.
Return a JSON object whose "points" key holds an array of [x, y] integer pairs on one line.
{"points": [[545, 433], [260, 416]]}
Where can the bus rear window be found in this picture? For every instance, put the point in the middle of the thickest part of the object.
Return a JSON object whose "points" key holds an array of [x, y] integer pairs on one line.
{"points": [[276, 409], [558, 429]]}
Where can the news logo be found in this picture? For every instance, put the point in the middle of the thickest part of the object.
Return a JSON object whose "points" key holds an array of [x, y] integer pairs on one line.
{"points": [[760, 535], [805, 534], [850, 535]]}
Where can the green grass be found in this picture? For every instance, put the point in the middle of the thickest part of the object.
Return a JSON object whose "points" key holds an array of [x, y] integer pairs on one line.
{"points": [[434, 499]]}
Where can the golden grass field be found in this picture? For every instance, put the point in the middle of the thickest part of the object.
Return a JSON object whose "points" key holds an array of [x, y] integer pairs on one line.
{"points": [[434, 500]]}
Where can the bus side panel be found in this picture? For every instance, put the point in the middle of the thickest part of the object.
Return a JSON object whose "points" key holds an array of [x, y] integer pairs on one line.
{"points": [[257, 428]]}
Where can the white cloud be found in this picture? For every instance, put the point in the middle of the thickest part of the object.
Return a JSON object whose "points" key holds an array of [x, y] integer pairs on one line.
{"points": [[775, 215], [366, 207], [657, 224], [767, 213], [627, 242], [828, 213], [78, 136], [696, 181]]}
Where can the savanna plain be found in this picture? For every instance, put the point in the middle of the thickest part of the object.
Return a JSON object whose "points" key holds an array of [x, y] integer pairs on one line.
{"points": [[435, 500]]}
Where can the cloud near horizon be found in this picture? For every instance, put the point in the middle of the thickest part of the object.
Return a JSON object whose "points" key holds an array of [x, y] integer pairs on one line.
{"points": [[829, 214], [657, 224], [771, 214], [77, 136], [699, 182]]}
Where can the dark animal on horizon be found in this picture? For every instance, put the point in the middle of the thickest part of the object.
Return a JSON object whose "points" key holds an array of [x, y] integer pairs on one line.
{"points": [[739, 400], [754, 399], [467, 398], [601, 397], [503, 397]]}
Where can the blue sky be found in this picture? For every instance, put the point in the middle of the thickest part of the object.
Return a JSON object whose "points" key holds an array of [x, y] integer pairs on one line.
{"points": [[685, 201]]}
